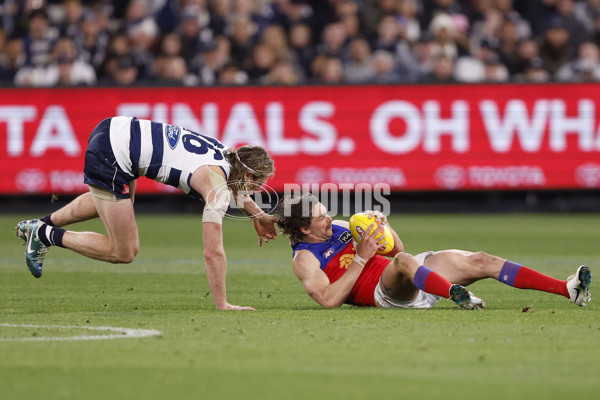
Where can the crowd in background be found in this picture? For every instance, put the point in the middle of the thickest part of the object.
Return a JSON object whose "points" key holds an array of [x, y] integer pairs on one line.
{"points": [[45, 43]]}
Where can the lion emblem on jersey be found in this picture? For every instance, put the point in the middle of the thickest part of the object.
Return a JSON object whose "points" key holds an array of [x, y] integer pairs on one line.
{"points": [[346, 260]]}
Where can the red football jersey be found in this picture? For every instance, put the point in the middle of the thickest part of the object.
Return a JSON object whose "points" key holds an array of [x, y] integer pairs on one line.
{"points": [[336, 255]]}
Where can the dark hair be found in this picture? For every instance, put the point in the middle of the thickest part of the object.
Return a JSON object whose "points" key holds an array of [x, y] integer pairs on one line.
{"points": [[295, 212]]}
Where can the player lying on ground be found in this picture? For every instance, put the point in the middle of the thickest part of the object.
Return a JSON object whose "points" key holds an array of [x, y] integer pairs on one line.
{"points": [[120, 150], [334, 270]]}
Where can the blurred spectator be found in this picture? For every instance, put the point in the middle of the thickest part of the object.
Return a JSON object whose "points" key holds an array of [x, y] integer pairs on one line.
{"points": [[408, 23], [303, 51], [242, 35], [260, 64], [329, 70], [213, 59], [173, 71], [121, 71], [194, 36], [333, 41], [474, 68], [65, 69], [142, 33], [118, 46], [225, 41], [40, 39], [384, 68], [554, 49], [231, 74], [575, 28], [275, 37], [219, 13], [282, 73], [585, 68], [442, 72], [535, 72], [11, 59], [527, 50], [507, 12], [359, 68], [388, 34], [93, 41], [587, 12], [443, 31], [71, 24], [495, 71], [509, 40]]}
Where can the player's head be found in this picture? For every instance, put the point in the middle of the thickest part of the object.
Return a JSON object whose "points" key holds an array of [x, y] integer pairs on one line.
{"points": [[251, 166], [301, 215]]}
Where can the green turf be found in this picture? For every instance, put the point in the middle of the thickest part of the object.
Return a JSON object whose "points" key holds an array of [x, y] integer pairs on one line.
{"points": [[290, 347]]}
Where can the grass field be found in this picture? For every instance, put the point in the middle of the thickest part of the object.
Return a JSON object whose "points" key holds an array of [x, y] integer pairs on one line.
{"points": [[290, 348]]}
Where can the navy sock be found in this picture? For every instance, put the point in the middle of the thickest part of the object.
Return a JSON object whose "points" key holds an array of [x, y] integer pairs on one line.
{"points": [[51, 235], [47, 220]]}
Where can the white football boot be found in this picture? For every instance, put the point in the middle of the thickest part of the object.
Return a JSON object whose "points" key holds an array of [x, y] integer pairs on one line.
{"points": [[578, 286]]}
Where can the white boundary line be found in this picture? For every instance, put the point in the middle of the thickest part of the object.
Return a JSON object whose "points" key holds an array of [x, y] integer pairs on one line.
{"points": [[121, 333]]}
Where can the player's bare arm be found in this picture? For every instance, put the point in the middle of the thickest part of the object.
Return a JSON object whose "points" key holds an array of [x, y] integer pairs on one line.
{"points": [[215, 260], [263, 222]]}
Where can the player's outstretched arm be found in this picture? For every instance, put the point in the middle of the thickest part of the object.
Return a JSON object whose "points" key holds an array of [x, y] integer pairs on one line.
{"points": [[263, 222], [215, 262]]}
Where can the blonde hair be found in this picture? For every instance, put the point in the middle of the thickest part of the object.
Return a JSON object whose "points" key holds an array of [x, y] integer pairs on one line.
{"points": [[253, 159]]}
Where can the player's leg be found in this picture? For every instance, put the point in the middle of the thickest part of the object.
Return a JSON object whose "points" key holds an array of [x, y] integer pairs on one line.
{"points": [[464, 268], [79, 210], [122, 242], [406, 277], [82, 208]]}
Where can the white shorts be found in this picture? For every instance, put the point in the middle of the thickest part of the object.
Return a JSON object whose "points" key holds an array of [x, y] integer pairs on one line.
{"points": [[423, 299]]}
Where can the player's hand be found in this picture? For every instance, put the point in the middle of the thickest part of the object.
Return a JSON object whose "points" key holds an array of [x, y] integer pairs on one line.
{"points": [[377, 214], [265, 228], [228, 306], [368, 245]]}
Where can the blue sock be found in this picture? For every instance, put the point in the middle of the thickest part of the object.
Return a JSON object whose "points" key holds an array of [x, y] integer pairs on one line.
{"points": [[51, 235], [421, 276], [509, 273]]}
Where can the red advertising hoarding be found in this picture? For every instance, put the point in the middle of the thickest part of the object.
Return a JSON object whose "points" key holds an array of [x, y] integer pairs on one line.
{"points": [[463, 137]]}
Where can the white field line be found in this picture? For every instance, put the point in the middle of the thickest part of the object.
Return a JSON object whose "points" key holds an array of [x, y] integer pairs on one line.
{"points": [[120, 333]]}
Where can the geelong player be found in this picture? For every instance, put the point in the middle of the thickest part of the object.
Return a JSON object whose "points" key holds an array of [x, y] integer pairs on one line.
{"points": [[335, 270], [120, 150]]}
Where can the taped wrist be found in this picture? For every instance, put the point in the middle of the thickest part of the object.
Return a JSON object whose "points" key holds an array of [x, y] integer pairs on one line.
{"points": [[359, 260]]}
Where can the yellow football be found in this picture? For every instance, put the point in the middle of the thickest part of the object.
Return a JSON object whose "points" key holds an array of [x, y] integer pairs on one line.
{"points": [[360, 222]]}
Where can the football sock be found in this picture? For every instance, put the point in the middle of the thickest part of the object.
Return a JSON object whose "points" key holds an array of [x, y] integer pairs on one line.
{"points": [[519, 276], [47, 220], [51, 235], [431, 282]]}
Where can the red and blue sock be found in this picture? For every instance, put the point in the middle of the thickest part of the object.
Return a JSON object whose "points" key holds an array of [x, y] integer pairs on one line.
{"points": [[431, 282], [521, 277]]}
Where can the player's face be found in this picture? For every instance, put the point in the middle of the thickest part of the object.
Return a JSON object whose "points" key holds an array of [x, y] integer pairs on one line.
{"points": [[320, 223]]}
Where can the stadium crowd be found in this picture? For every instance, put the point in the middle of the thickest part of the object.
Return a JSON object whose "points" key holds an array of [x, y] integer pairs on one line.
{"points": [[47, 43]]}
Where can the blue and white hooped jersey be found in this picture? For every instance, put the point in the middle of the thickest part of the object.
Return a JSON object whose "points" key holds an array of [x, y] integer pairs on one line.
{"points": [[165, 153]]}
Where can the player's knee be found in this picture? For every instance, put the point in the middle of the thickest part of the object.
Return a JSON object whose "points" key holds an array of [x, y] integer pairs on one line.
{"points": [[480, 260], [126, 255], [404, 262]]}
